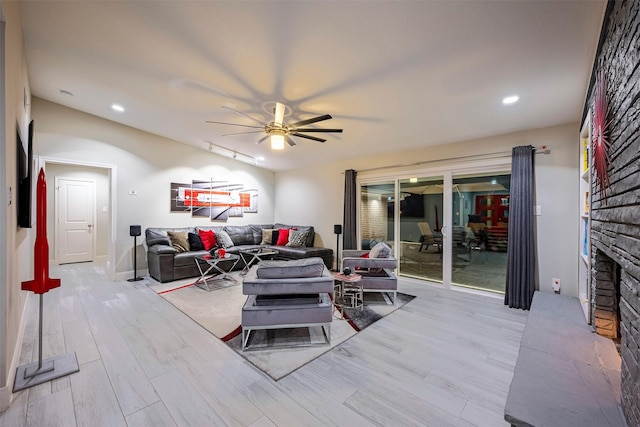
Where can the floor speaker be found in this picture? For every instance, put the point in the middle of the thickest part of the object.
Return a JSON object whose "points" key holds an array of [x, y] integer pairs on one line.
{"points": [[135, 231]]}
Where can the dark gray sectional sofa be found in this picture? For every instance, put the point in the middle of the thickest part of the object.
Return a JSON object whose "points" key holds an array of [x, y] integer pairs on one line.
{"points": [[167, 264]]}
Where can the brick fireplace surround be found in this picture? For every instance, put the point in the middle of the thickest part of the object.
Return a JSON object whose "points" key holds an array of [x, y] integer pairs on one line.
{"points": [[615, 232]]}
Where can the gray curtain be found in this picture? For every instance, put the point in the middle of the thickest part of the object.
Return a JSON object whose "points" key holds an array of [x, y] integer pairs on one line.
{"points": [[349, 236], [521, 259]]}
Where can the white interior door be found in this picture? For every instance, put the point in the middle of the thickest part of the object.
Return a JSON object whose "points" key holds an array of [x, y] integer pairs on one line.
{"points": [[75, 212]]}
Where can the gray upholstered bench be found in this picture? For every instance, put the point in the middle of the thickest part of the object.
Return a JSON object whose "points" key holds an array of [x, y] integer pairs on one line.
{"points": [[565, 374]]}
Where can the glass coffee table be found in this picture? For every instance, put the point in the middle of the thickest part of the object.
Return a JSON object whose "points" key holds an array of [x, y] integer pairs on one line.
{"points": [[253, 256], [215, 265]]}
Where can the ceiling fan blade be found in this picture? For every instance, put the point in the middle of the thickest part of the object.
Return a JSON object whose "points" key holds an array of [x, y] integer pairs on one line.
{"points": [[242, 133], [279, 114], [246, 115], [290, 141], [262, 139], [308, 137], [309, 121], [318, 130], [235, 124]]}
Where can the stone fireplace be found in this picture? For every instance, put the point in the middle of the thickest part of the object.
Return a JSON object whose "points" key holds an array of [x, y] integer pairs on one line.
{"points": [[606, 292], [615, 212]]}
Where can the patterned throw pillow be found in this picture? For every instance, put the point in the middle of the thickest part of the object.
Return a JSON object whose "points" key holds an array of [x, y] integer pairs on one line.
{"points": [[267, 236], [224, 240], [195, 242], [179, 240], [208, 238], [298, 238]]}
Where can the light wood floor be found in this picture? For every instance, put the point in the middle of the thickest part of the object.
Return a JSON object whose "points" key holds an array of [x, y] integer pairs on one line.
{"points": [[446, 358]]}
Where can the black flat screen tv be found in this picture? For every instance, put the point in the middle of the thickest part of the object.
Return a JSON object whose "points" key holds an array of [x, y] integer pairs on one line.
{"points": [[24, 168]]}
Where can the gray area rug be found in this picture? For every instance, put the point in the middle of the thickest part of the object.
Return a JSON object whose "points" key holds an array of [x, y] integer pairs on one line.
{"points": [[277, 352]]}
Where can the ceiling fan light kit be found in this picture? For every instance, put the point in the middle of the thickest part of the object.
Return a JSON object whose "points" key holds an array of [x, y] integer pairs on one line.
{"points": [[278, 131]]}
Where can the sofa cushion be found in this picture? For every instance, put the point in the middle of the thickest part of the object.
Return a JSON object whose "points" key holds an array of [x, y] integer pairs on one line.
{"points": [[308, 267], [223, 239], [380, 250], [208, 238], [195, 242], [240, 234], [257, 232], [179, 240], [156, 237], [298, 238]]}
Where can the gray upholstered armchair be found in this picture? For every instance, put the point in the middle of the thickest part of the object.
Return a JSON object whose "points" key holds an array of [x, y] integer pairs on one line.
{"points": [[376, 270], [287, 294]]}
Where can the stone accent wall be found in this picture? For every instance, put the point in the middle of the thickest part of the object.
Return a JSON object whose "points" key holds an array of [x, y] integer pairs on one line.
{"points": [[616, 218], [374, 218]]}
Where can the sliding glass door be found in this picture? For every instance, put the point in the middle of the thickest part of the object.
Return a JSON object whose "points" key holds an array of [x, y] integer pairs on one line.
{"points": [[480, 230], [449, 228], [420, 213]]}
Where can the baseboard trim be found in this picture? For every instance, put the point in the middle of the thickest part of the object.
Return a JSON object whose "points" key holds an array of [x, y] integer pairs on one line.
{"points": [[6, 392]]}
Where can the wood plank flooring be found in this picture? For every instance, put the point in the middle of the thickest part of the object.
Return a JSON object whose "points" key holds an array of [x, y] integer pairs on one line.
{"points": [[445, 359]]}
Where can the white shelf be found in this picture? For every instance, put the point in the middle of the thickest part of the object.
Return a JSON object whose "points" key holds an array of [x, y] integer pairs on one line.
{"points": [[584, 259], [586, 175]]}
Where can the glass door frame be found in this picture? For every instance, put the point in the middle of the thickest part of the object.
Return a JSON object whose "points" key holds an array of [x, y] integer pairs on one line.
{"points": [[447, 171]]}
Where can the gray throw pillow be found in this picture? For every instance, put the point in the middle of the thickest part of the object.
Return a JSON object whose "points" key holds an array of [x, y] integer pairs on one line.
{"points": [[223, 239], [380, 250]]}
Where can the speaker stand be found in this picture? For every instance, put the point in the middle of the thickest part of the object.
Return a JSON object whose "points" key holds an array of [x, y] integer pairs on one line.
{"points": [[135, 277]]}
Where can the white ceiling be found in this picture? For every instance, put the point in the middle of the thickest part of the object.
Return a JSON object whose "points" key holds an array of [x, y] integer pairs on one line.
{"points": [[393, 74]]}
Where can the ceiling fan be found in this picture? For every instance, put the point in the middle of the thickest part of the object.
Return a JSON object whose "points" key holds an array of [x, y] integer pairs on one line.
{"points": [[278, 131]]}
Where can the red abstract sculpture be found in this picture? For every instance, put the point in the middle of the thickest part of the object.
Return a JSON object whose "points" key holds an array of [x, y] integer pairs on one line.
{"points": [[41, 282], [600, 137]]}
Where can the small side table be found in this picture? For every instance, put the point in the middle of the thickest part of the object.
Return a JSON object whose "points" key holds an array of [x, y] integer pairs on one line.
{"points": [[256, 255], [213, 265], [347, 292]]}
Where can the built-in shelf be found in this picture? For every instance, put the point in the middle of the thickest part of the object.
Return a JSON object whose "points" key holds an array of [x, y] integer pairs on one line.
{"points": [[584, 219]]}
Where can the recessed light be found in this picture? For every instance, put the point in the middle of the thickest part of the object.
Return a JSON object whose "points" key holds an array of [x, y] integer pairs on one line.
{"points": [[260, 158], [511, 99], [117, 107]]}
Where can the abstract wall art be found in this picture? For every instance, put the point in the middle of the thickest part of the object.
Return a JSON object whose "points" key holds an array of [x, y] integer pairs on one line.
{"points": [[216, 200]]}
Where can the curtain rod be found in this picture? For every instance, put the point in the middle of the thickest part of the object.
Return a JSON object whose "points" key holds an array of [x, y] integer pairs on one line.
{"points": [[538, 150]]}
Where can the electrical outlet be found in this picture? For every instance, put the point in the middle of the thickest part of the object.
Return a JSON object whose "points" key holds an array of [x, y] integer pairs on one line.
{"points": [[555, 283]]}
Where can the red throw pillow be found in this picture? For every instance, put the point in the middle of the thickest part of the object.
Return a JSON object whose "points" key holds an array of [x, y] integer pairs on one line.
{"points": [[208, 238], [366, 255], [283, 237]]}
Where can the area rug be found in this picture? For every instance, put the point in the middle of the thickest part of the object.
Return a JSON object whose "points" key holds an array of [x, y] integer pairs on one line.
{"points": [[272, 351]]}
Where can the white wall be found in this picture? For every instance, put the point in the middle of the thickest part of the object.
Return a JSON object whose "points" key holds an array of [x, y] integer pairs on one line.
{"points": [[147, 164], [321, 189], [17, 249]]}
